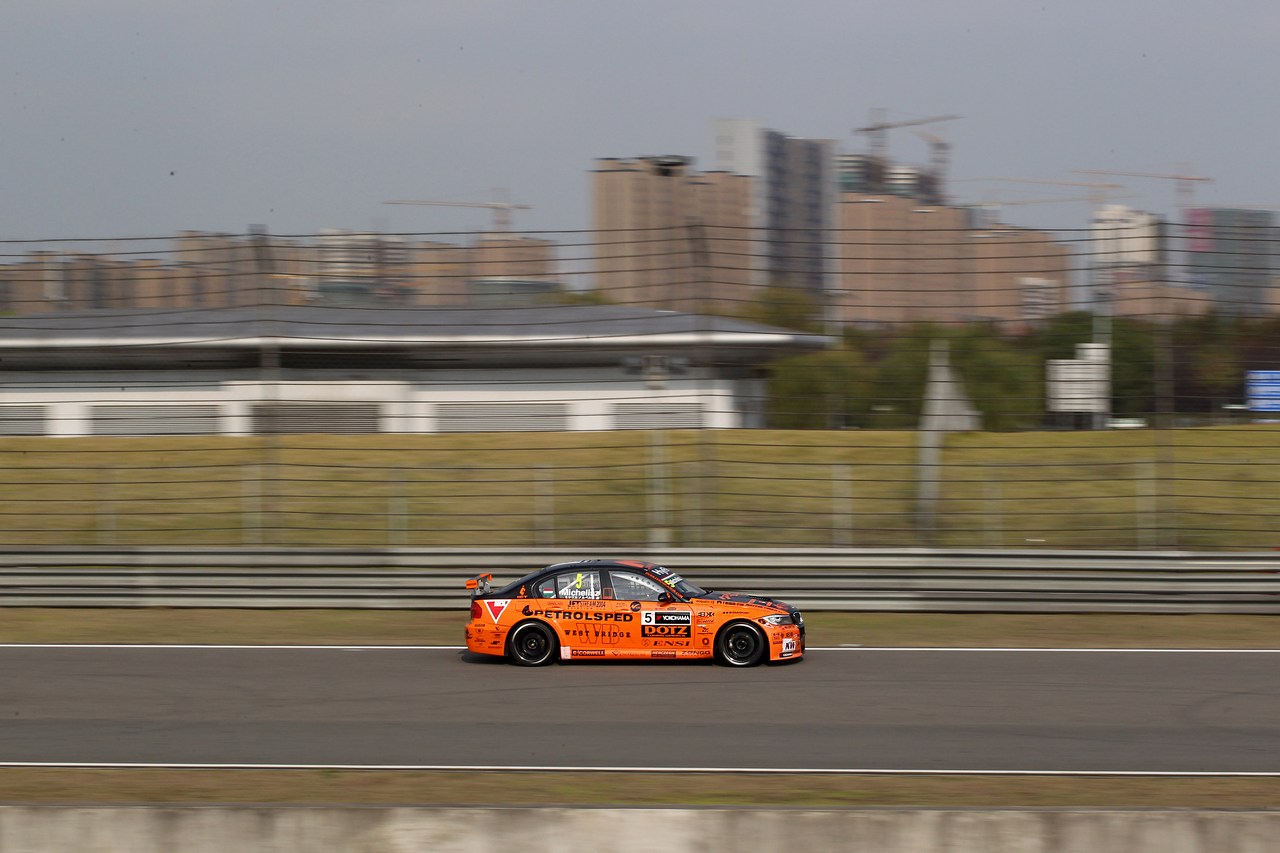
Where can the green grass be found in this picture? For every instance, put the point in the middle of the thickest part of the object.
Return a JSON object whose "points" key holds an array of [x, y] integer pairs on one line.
{"points": [[1203, 488], [429, 627], [45, 785]]}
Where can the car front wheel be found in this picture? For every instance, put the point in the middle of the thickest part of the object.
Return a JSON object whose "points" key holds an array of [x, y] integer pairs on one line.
{"points": [[531, 644], [740, 644]]}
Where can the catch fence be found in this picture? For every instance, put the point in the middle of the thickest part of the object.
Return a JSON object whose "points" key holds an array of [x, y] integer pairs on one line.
{"points": [[962, 385]]}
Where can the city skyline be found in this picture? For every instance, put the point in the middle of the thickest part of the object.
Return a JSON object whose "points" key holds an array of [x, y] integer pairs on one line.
{"points": [[143, 119]]}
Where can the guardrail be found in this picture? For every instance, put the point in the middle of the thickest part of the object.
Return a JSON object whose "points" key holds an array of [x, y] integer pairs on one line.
{"points": [[812, 579]]}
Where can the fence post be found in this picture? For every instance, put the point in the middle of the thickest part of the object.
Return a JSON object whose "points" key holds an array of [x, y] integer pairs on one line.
{"points": [[841, 506], [107, 506], [659, 532], [251, 504], [1145, 520], [995, 512], [544, 505], [397, 507]]}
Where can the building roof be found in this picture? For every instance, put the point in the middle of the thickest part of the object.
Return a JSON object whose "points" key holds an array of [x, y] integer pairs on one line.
{"points": [[533, 334]]}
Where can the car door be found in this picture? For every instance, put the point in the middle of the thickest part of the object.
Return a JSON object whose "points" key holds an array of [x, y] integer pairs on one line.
{"points": [[662, 628]]}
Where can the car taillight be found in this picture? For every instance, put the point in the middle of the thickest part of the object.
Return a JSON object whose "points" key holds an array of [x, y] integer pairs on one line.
{"points": [[475, 609]]}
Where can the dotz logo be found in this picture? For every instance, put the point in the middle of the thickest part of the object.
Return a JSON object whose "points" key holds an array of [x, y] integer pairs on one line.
{"points": [[664, 630]]}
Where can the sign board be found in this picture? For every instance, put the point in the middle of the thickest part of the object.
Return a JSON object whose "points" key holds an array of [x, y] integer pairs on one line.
{"points": [[1078, 385], [1263, 390]]}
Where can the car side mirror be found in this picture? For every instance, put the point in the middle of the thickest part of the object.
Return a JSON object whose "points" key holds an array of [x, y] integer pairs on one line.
{"points": [[664, 598]]}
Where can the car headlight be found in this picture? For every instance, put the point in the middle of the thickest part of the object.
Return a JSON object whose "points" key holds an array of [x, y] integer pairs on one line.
{"points": [[777, 620]]}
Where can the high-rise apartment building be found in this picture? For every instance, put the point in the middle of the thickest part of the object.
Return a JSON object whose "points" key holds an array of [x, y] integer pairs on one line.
{"points": [[669, 237], [208, 270], [900, 261], [1230, 254], [1127, 271], [792, 199]]}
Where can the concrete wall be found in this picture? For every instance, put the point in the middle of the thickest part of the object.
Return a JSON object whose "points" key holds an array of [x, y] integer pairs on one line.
{"points": [[140, 829]]}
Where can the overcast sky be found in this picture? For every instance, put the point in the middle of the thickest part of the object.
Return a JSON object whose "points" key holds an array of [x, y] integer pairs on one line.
{"points": [[146, 117]]}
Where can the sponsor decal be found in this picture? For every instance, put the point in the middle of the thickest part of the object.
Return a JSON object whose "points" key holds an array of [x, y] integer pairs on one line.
{"points": [[588, 653], [496, 606], [706, 614], [586, 602], [665, 631], [663, 654], [576, 615], [608, 635], [635, 606], [666, 617], [669, 643], [788, 645], [706, 641]]}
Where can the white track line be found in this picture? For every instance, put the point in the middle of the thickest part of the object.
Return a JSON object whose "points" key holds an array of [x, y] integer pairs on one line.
{"points": [[338, 647], [1056, 649], [140, 646], [553, 768]]}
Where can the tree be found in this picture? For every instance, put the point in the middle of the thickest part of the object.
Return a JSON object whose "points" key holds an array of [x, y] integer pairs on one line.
{"points": [[822, 390], [1004, 383], [785, 307]]}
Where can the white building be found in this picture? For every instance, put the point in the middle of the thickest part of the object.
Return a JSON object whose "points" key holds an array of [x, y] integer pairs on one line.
{"points": [[352, 370], [1122, 236]]}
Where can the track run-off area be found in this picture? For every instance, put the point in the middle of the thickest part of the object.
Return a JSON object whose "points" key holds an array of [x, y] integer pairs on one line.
{"points": [[840, 710]]}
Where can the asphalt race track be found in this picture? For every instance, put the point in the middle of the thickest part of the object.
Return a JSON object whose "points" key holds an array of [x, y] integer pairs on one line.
{"points": [[837, 710]]}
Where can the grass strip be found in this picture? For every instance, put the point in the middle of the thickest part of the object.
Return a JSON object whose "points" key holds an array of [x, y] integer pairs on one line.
{"points": [[341, 787], [427, 627]]}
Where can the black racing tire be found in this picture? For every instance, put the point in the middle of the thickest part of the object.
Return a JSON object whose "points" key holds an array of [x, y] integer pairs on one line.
{"points": [[741, 644], [532, 644]]}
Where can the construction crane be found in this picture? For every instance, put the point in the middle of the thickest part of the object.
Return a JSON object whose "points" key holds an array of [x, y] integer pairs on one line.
{"points": [[939, 159], [1099, 192], [501, 209], [1186, 186], [878, 127], [992, 207]]}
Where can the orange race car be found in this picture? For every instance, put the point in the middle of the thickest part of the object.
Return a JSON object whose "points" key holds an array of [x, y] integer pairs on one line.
{"points": [[594, 609]]}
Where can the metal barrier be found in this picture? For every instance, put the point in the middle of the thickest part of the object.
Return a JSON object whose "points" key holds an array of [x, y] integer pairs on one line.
{"points": [[813, 579]]}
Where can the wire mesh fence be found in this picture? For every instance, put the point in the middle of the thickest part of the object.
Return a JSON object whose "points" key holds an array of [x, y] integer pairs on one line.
{"points": [[952, 384]]}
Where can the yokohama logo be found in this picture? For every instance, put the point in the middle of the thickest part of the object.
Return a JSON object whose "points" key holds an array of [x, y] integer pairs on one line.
{"points": [[495, 606]]}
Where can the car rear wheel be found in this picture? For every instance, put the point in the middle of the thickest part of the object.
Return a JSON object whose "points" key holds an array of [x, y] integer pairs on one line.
{"points": [[740, 644], [531, 644]]}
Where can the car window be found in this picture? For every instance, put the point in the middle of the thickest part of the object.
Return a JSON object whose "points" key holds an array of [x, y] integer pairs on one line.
{"points": [[546, 588], [578, 585], [630, 586]]}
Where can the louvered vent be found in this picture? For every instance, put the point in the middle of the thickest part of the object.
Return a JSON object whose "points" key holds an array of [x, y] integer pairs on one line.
{"points": [[332, 418], [657, 415], [502, 417], [154, 420], [21, 420]]}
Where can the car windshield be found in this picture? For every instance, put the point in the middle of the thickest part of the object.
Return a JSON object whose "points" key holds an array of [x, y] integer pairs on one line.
{"points": [[679, 584]]}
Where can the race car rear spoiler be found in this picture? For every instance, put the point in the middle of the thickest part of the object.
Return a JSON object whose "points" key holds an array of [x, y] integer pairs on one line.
{"points": [[480, 584]]}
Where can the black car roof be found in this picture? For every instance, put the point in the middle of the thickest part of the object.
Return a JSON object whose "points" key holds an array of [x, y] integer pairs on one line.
{"points": [[592, 562]]}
